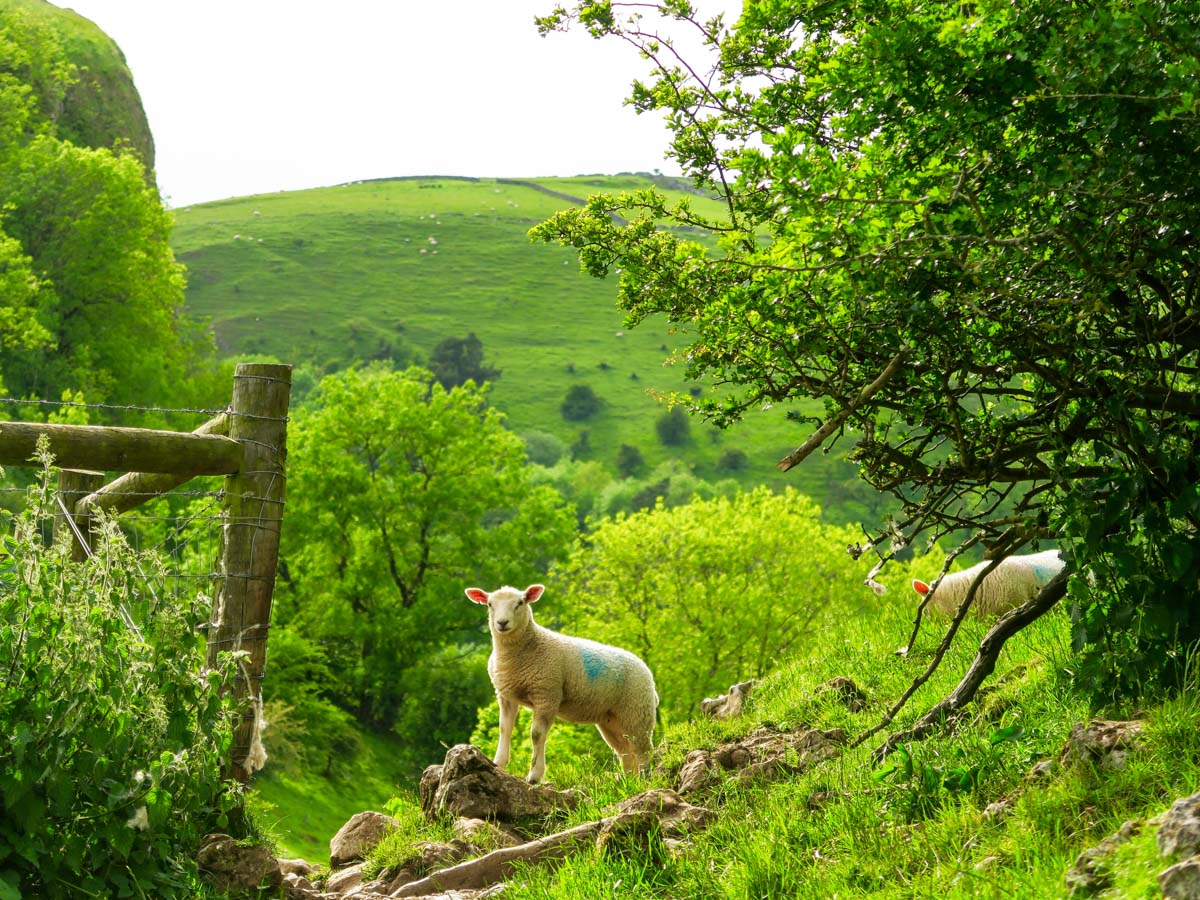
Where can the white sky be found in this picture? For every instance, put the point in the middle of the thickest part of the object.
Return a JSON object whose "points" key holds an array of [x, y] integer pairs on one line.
{"points": [[254, 96]]}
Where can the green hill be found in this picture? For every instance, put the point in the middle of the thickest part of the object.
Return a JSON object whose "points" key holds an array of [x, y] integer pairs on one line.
{"points": [[102, 107], [387, 269]]}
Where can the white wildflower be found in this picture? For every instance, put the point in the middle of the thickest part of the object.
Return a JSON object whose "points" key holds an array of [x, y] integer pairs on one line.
{"points": [[140, 820]]}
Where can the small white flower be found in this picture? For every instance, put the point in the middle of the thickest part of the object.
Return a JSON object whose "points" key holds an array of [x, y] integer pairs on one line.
{"points": [[140, 820], [139, 776]]}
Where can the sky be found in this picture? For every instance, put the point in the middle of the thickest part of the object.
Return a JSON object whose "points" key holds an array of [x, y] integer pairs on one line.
{"points": [[256, 96]]}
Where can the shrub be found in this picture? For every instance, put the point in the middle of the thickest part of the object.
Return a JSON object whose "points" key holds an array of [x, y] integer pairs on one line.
{"points": [[543, 448], [733, 460], [629, 460], [580, 403], [673, 427], [110, 770]]}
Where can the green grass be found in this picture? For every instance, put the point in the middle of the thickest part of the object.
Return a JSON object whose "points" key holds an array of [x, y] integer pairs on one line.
{"points": [[329, 277], [884, 836], [302, 810]]}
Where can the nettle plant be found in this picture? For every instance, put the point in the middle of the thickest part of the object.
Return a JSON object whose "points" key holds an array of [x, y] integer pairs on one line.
{"points": [[110, 770]]}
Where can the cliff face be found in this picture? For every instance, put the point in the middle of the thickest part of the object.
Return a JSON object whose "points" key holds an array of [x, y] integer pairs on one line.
{"points": [[103, 107]]}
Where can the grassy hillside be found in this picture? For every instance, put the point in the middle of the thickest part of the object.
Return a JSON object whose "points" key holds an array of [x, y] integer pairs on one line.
{"points": [[334, 276], [851, 827]]}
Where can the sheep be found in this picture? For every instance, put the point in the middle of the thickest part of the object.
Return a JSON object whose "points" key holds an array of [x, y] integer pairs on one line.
{"points": [[571, 678], [1011, 583]]}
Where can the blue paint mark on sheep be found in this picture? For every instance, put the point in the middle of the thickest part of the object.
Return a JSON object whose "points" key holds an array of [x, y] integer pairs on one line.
{"points": [[594, 664]]}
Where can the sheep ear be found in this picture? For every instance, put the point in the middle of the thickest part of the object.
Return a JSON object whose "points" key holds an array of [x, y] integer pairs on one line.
{"points": [[477, 595], [533, 592], [920, 587]]}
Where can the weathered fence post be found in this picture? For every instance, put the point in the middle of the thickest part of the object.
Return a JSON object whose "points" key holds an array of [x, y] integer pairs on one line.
{"points": [[73, 486], [248, 549]]}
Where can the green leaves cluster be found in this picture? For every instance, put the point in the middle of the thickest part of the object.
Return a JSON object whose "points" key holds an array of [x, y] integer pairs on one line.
{"points": [[90, 293], [110, 771], [401, 494], [969, 230], [711, 592]]}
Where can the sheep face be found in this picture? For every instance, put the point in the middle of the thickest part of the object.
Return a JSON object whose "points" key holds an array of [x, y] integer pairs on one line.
{"points": [[508, 608]]}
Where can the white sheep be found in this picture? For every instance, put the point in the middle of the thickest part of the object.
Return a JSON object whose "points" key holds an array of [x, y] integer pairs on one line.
{"points": [[1011, 583], [571, 678]]}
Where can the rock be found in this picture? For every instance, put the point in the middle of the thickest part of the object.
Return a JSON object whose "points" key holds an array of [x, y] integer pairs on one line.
{"points": [[1179, 833], [470, 785], [235, 869], [1103, 742], [1091, 873], [633, 835], [728, 705], [1182, 880], [676, 817], [845, 691], [425, 857], [301, 867], [485, 834], [344, 880], [297, 887], [358, 837], [764, 754]]}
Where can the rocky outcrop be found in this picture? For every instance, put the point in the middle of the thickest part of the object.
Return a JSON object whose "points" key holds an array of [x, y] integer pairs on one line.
{"points": [[238, 870], [728, 705], [470, 785], [358, 837], [765, 754]]}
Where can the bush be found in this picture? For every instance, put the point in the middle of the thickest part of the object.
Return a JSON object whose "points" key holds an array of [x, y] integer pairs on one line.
{"points": [[543, 448], [110, 770], [629, 460], [580, 403], [673, 427], [733, 460]]}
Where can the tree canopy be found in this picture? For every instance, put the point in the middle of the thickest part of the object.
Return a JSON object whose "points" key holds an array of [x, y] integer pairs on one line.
{"points": [[90, 292], [971, 231]]}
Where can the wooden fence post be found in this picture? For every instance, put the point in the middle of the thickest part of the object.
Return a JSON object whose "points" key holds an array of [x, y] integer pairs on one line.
{"points": [[73, 486], [248, 549]]}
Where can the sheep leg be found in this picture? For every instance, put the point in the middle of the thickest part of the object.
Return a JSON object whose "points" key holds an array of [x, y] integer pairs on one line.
{"points": [[508, 718], [615, 737], [542, 720]]}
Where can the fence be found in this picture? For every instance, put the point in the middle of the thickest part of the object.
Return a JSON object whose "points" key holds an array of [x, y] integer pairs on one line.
{"points": [[247, 443]]}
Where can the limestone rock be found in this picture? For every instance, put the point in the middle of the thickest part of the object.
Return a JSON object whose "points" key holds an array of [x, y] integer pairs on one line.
{"points": [[470, 785], [343, 880], [426, 857], [1179, 833], [764, 754], [1182, 880], [675, 816], [486, 834], [1103, 742], [236, 869], [358, 837], [1091, 874]]}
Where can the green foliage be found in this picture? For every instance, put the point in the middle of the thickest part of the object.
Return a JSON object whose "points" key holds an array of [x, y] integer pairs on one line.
{"points": [[711, 592], [580, 403], [455, 361], [629, 460], [110, 771], [673, 427], [981, 265], [543, 448], [90, 293], [401, 494]]}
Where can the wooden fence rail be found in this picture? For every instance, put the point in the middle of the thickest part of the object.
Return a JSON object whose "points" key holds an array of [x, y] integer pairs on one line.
{"points": [[247, 444]]}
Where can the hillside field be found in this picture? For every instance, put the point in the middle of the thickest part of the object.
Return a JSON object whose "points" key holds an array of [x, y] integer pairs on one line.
{"points": [[329, 277]]}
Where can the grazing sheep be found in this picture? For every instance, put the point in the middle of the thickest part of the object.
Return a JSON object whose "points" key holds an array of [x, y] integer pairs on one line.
{"points": [[1011, 583], [572, 678]]}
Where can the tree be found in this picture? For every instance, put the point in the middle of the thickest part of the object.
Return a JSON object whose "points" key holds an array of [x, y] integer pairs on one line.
{"points": [[455, 361], [629, 460], [969, 230], [711, 592], [91, 296], [673, 427], [580, 403], [400, 495]]}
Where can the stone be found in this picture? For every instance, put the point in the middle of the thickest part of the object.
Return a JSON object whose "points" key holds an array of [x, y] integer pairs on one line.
{"points": [[300, 867], [486, 834], [844, 691], [237, 869], [1179, 833], [1091, 872], [343, 880], [1182, 880], [1103, 742], [358, 837], [470, 785], [675, 816], [426, 857], [297, 887]]}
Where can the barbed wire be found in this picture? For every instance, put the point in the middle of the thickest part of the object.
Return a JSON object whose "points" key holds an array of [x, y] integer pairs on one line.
{"points": [[134, 408]]}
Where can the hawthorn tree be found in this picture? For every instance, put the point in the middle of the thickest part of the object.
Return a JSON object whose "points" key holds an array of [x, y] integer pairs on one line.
{"points": [[971, 230]]}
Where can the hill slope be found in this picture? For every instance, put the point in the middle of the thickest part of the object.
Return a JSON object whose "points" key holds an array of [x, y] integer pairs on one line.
{"points": [[103, 106], [388, 269]]}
